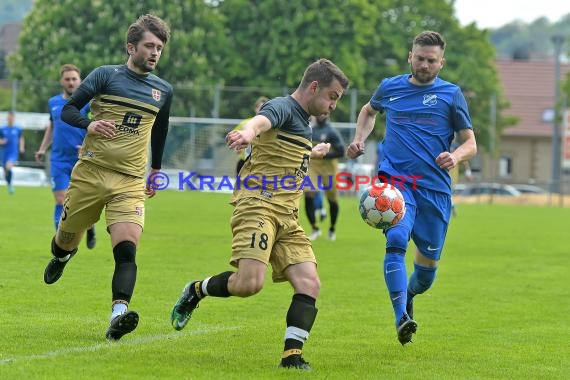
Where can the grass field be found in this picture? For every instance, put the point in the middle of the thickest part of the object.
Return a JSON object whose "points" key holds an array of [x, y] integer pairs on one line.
{"points": [[498, 309]]}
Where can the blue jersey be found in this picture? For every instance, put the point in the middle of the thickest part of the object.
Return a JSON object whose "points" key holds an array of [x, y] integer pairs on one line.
{"points": [[12, 146], [421, 122], [65, 138]]}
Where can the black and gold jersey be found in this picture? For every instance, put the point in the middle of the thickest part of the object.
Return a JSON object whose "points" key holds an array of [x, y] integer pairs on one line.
{"points": [[280, 157], [138, 104]]}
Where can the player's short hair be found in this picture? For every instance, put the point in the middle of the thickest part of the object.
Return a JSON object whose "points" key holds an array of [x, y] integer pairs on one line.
{"points": [[69, 67], [429, 38], [148, 23], [324, 72], [260, 101]]}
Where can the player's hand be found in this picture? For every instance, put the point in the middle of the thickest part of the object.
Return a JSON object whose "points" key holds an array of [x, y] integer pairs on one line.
{"points": [[39, 156], [105, 128], [149, 190], [321, 149], [446, 161], [355, 149], [238, 140]]}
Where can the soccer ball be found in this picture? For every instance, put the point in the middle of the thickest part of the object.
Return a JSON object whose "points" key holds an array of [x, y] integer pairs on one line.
{"points": [[382, 205]]}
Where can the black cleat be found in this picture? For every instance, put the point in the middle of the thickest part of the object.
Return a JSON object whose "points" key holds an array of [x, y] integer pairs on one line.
{"points": [[55, 268], [295, 362], [91, 239], [122, 324], [406, 327], [185, 306]]}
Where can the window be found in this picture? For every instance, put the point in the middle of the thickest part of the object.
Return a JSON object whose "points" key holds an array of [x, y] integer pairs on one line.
{"points": [[505, 166]]}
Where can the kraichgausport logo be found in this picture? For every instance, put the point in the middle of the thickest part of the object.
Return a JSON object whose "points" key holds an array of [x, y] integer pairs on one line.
{"points": [[342, 181]]}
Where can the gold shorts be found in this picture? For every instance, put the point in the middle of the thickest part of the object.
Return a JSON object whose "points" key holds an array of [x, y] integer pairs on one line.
{"points": [[323, 176], [93, 188], [270, 234]]}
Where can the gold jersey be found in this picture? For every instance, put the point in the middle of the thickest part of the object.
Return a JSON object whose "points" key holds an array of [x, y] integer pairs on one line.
{"points": [[137, 104], [279, 161]]}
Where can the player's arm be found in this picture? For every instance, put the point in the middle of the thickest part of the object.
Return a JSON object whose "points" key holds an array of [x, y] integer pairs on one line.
{"points": [[158, 135], [337, 145], [238, 140], [364, 126], [465, 151], [22, 143], [46, 142], [2, 138], [71, 112]]}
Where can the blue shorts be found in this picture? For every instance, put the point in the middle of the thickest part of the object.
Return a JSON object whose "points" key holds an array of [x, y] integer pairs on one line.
{"points": [[426, 220], [60, 172], [10, 157]]}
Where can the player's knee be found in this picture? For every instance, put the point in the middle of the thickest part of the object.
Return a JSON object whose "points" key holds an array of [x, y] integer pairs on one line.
{"points": [[397, 239], [310, 285], [125, 252], [246, 286]]}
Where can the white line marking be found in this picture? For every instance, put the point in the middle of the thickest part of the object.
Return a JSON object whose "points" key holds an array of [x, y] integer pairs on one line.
{"points": [[111, 345]]}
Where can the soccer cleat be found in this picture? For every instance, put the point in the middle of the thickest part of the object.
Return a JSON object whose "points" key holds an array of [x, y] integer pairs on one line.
{"points": [[406, 327], [295, 362], [315, 234], [55, 268], [183, 309], [11, 189], [91, 238], [122, 324], [332, 235], [323, 214]]}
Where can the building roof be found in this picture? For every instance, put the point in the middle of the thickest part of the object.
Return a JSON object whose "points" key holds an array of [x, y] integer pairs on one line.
{"points": [[529, 88], [9, 37]]}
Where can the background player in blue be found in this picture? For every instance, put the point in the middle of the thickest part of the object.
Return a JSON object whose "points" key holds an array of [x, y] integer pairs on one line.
{"points": [[423, 114], [12, 138], [65, 142]]}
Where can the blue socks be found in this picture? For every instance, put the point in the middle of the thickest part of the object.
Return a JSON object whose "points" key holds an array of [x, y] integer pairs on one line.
{"points": [[57, 214], [397, 282], [421, 280]]}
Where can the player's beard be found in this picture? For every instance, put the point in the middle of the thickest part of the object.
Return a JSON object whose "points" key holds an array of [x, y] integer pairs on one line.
{"points": [[142, 65], [422, 76]]}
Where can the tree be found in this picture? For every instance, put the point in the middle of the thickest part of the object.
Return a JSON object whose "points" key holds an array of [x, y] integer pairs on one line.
{"points": [[91, 33], [221, 47]]}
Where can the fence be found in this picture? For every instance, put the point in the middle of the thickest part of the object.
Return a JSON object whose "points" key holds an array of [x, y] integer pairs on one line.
{"points": [[198, 145]]}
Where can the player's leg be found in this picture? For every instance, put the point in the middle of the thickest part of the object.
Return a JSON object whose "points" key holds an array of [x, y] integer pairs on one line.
{"points": [[8, 165], [124, 214], [332, 199], [310, 197], [82, 208], [293, 260], [428, 234], [60, 176], [91, 237], [251, 247], [395, 273], [124, 240]]}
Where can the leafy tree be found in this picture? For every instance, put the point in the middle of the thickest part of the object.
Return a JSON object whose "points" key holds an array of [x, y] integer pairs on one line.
{"points": [[91, 33], [218, 48]]}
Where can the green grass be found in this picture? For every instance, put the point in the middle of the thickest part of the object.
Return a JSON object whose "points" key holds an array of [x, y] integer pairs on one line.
{"points": [[498, 309]]}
